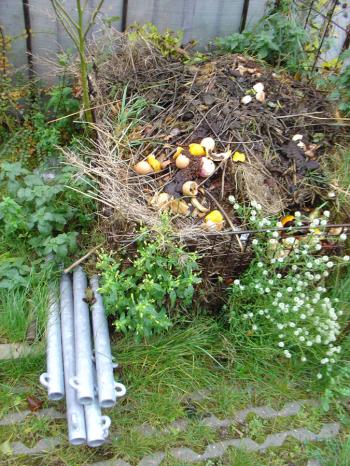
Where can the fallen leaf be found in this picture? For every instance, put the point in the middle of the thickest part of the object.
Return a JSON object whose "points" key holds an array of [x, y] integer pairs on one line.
{"points": [[34, 403]]}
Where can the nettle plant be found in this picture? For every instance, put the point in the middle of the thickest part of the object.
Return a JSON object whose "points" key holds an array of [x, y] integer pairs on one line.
{"points": [[158, 281], [39, 211], [280, 305]]}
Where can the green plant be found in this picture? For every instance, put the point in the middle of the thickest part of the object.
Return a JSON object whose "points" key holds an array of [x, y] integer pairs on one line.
{"points": [[279, 39], [155, 282], [340, 85], [23, 306], [78, 31], [280, 307], [41, 214]]}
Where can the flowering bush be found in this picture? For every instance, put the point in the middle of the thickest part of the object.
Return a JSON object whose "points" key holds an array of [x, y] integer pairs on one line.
{"points": [[280, 304]]}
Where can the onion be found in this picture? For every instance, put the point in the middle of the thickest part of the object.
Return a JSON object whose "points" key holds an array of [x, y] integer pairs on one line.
{"points": [[207, 168]]}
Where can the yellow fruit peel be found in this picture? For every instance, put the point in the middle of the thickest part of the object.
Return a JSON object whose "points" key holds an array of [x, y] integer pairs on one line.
{"points": [[214, 216], [239, 157], [197, 150], [155, 164]]}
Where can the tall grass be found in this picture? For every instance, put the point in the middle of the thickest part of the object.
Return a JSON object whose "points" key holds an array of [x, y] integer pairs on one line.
{"points": [[24, 306]]}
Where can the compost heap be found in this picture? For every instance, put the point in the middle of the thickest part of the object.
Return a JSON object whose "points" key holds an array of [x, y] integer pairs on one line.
{"points": [[225, 127]]}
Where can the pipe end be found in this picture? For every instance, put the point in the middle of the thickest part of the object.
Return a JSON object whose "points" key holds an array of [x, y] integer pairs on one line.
{"points": [[55, 396]]}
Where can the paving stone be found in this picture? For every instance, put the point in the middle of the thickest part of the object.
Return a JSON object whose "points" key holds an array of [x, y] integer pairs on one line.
{"points": [[16, 350], [44, 445], [14, 418], [215, 423], [185, 454], [151, 460], [112, 462], [328, 431], [274, 440], [179, 425]]}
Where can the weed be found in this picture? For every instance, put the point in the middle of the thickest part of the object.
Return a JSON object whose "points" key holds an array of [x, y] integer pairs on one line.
{"points": [[279, 39], [159, 279], [42, 215], [279, 307]]}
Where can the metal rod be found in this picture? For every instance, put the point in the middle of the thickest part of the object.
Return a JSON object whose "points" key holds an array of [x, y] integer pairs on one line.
{"points": [[83, 381], [28, 29], [96, 425], [75, 412], [53, 378], [244, 15], [108, 389], [329, 16], [124, 15]]}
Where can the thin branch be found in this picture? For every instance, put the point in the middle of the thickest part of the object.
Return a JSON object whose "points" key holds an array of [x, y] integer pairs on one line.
{"points": [[93, 17]]}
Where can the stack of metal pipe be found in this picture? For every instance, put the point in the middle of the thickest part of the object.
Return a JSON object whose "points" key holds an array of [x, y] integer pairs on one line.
{"points": [[79, 360]]}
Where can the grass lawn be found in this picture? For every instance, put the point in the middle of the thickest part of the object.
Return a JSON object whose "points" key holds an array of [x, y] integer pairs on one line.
{"points": [[161, 378]]}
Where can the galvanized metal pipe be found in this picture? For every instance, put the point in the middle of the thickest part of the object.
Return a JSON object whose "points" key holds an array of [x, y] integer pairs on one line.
{"points": [[108, 389], [96, 425], [83, 381], [75, 411], [53, 379]]}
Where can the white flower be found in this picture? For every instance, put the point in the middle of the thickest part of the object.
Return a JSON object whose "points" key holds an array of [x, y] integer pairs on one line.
{"points": [[281, 344], [330, 264], [323, 222], [250, 314], [303, 359], [324, 360], [265, 273], [331, 194], [245, 316], [236, 206], [273, 241], [294, 267], [273, 260], [280, 259], [242, 287], [253, 213], [315, 222], [291, 324], [236, 282], [297, 214], [319, 376], [231, 199], [327, 213], [318, 247], [275, 234], [289, 289], [261, 312], [280, 326], [255, 327], [287, 354], [255, 241], [325, 273], [302, 338], [279, 275], [267, 290], [346, 258], [260, 265]]}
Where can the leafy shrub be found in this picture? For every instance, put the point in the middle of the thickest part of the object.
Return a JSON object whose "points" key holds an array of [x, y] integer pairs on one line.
{"points": [[278, 39], [44, 215], [340, 85], [159, 279], [280, 305]]}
